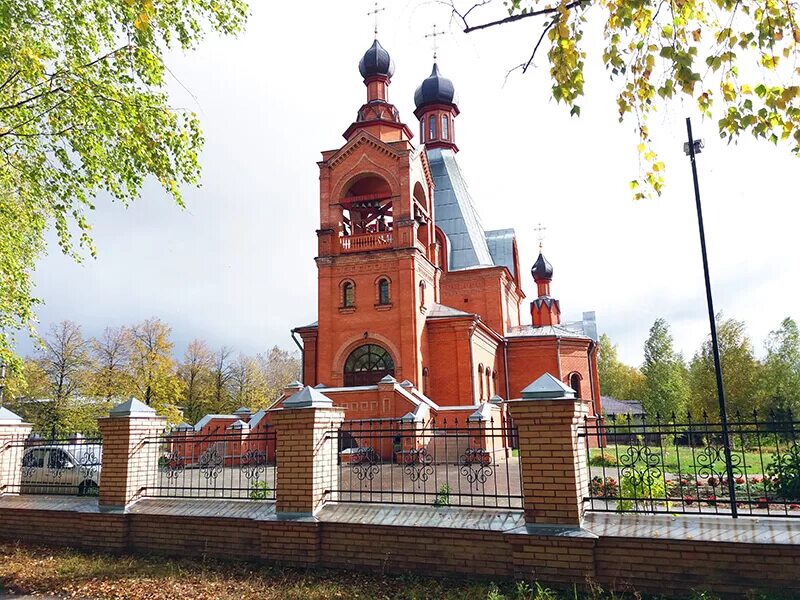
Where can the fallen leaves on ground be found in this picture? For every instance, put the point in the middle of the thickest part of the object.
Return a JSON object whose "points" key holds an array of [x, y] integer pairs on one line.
{"points": [[76, 574]]}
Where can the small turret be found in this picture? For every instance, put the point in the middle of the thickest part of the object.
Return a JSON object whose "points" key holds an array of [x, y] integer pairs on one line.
{"points": [[544, 309], [378, 116], [436, 108]]}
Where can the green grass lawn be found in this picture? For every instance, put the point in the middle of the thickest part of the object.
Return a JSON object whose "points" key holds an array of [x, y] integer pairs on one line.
{"points": [[74, 574], [683, 459]]}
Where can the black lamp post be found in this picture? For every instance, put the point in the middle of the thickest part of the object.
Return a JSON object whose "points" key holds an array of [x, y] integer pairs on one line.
{"points": [[692, 148]]}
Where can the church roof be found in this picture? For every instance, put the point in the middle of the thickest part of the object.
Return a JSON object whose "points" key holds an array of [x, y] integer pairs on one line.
{"points": [[501, 247], [436, 89], [558, 331], [440, 311], [587, 325], [542, 269], [456, 214], [376, 61]]}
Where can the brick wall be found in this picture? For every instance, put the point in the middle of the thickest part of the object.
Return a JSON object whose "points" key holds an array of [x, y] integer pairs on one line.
{"points": [[553, 459], [658, 566], [675, 566], [128, 458], [305, 455]]}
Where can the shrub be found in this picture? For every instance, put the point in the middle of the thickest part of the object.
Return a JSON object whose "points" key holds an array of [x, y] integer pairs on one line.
{"points": [[784, 471], [603, 487], [443, 496], [259, 490], [604, 459]]}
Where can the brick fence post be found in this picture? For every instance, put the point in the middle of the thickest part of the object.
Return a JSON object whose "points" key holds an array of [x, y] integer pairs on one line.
{"points": [[306, 456], [552, 455], [13, 431], [130, 462]]}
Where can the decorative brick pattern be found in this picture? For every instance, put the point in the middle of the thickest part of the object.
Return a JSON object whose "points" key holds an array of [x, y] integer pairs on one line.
{"points": [[128, 461], [552, 459], [304, 456]]}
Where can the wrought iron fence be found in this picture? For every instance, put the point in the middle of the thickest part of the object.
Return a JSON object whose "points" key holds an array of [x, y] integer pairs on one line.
{"points": [[66, 464], [684, 465], [436, 463], [231, 464]]}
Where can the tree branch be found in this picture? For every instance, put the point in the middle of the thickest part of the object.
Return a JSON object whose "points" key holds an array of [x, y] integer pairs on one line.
{"points": [[536, 13], [32, 98]]}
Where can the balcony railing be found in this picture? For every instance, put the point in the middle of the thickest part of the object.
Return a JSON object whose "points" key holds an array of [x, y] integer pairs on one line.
{"points": [[360, 242]]}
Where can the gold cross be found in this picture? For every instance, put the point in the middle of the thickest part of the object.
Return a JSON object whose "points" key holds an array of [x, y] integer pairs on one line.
{"points": [[540, 234], [434, 35], [375, 12]]}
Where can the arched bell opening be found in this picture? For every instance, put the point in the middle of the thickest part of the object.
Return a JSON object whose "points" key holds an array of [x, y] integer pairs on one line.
{"points": [[367, 207]]}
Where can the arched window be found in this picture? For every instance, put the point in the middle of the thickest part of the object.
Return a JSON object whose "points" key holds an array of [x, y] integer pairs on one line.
{"points": [[480, 381], [422, 294], [348, 294], [575, 383], [445, 127], [367, 365], [432, 127], [383, 291]]}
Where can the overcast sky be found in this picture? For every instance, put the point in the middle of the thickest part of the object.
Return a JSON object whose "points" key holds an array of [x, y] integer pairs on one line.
{"points": [[236, 266]]}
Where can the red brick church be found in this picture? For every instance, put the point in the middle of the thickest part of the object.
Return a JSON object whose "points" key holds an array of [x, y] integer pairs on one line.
{"points": [[420, 309]]}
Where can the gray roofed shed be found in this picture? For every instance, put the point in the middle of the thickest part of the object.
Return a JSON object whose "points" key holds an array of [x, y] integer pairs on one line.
{"points": [[612, 406]]}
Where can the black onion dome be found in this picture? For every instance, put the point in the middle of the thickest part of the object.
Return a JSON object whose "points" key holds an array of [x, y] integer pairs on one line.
{"points": [[541, 269], [435, 90], [376, 61]]}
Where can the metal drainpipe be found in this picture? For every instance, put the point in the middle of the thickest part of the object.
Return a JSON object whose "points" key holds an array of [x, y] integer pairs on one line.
{"points": [[505, 368], [302, 355], [558, 357], [472, 360], [591, 378]]}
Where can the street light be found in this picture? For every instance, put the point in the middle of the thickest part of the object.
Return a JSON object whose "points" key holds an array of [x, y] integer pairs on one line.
{"points": [[692, 148]]}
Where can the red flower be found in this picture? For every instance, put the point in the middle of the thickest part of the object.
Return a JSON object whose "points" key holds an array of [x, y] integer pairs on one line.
{"points": [[688, 500], [762, 503], [712, 481], [755, 480], [740, 480], [794, 507]]}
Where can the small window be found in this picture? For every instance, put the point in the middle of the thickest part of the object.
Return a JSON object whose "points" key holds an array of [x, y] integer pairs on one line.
{"points": [[383, 291], [422, 131], [422, 294], [432, 127], [445, 127], [575, 383], [348, 294], [480, 381]]}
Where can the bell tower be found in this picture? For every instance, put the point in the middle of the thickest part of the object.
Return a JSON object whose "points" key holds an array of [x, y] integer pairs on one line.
{"points": [[376, 245]]}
